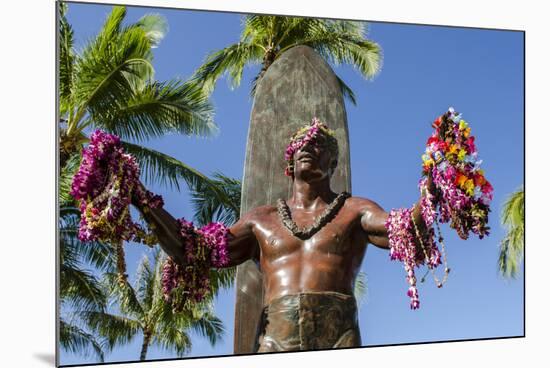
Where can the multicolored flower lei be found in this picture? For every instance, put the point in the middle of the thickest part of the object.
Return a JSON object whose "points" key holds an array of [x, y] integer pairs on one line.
{"points": [[452, 158], [203, 248], [461, 195], [308, 134], [105, 183]]}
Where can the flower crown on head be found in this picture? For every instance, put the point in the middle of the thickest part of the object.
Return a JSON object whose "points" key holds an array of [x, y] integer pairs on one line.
{"points": [[308, 134]]}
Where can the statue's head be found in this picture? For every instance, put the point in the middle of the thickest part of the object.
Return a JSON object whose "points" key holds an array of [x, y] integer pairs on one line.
{"points": [[313, 147]]}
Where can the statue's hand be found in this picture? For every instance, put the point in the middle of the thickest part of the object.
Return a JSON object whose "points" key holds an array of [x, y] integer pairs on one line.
{"points": [[430, 183]]}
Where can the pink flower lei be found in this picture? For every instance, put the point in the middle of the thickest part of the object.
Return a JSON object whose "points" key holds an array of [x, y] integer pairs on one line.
{"points": [[104, 185], [462, 195], [203, 248], [305, 135]]}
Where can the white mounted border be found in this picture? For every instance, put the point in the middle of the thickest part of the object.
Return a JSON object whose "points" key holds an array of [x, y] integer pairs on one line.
{"points": [[27, 212]]}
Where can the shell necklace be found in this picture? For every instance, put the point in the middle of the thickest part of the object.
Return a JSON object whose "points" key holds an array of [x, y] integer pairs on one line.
{"points": [[305, 233]]}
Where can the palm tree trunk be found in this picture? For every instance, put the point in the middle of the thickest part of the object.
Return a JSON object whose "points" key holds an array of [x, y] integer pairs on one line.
{"points": [[269, 58], [69, 145], [145, 345], [66, 148]]}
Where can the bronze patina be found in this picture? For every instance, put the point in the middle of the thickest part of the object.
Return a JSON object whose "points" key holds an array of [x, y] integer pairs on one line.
{"points": [[307, 276], [302, 276]]}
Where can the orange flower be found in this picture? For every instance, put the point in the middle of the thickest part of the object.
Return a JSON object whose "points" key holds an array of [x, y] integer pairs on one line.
{"points": [[479, 180], [453, 148], [460, 180]]}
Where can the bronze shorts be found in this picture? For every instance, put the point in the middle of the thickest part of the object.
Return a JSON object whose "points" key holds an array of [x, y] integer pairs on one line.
{"points": [[309, 321]]}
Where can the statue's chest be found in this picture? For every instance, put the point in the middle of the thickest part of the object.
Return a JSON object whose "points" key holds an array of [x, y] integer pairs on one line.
{"points": [[333, 238]]}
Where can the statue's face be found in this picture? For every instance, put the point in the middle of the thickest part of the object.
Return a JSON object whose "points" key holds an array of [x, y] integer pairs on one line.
{"points": [[313, 162]]}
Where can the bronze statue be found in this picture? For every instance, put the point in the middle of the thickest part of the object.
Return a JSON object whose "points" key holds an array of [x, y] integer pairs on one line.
{"points": [[310, 248]]}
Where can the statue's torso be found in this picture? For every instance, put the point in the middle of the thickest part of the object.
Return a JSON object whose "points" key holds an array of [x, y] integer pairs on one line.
{"points": [[327, 261]]}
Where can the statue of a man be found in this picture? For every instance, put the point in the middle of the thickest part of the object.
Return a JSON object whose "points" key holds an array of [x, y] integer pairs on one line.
{"points": [[310, 249]]}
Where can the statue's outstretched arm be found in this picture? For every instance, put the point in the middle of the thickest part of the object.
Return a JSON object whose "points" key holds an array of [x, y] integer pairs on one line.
{"points": [[167, 230], [242, 242], [373, 221], [374, 218]]}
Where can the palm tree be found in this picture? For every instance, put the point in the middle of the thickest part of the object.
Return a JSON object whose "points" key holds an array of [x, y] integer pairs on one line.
{"points": [[207, 206], [110, 85], [76, 340], [81, 293], [79, 288], [511, 247], [265, 38], [143, 310]]}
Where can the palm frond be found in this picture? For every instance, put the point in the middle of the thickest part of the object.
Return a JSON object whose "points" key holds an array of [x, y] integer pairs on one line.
{"points": [[512, 246], [96, 254], [109, 66], [347, 93], [123, 295], [145, 285], [513, 211], [265, 38], [361, 288], [80, 289], [258, 27], [230, 60], [173, 338], [166, 170], [75, 340], [69, 244], [510, 254], [155, 27], [210, 327], [157, 167], [66, 60], [341, 42], [222, 278], [67, 214], [210, 207], [99, 255], [159, 108], [296, 29], [114, 328], [66, 175]]}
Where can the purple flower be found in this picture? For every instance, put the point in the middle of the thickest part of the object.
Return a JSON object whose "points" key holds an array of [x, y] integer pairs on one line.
{"points": [[169, 275], [203, 248], [104, 184]]}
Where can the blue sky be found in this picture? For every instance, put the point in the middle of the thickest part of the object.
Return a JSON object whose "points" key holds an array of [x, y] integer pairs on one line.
{"points": [[426, 69]]}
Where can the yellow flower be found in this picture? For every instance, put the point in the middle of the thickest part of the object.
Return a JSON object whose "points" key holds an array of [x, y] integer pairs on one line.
{"points": [[462, 125], [467, 132], [469, 187], [453, 148], [462, 154]]}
